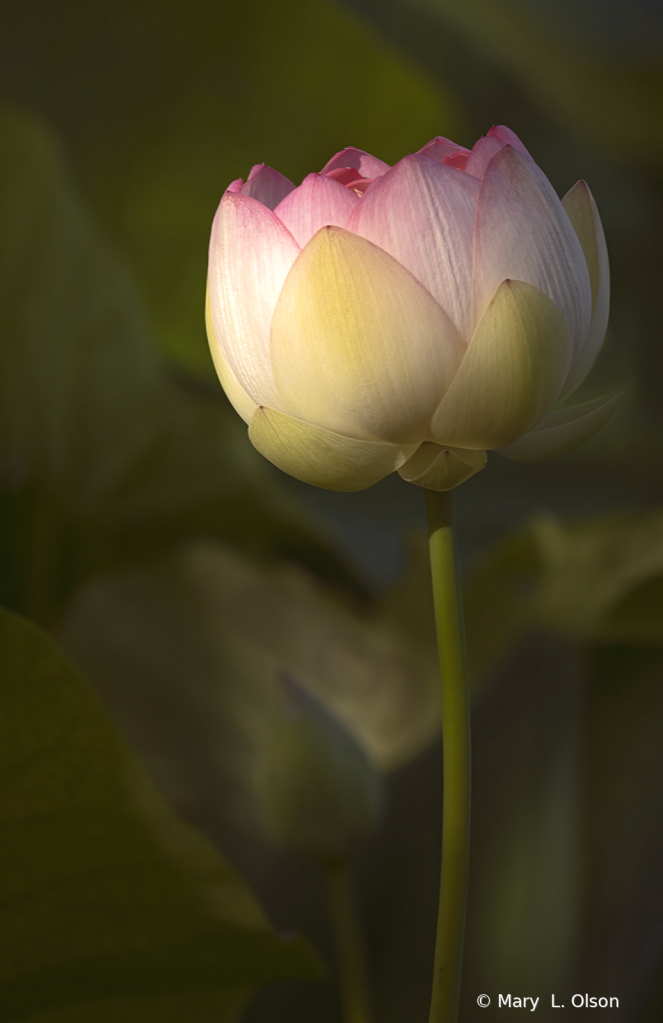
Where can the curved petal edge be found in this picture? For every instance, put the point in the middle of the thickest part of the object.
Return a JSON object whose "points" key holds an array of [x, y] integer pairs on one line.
{"points": [[321, 457], [564, 429], [237, 396], [438, 468]]}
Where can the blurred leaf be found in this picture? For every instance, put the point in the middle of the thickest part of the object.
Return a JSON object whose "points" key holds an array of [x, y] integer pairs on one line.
{"points": [[623, 811], [186, 653], [593, 580], [107, 897], [99, 452], [205, 90], [611, 98]]}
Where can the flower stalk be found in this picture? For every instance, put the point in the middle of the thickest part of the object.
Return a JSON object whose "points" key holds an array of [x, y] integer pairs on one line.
{"points": [[456, 759], [349, 944]]}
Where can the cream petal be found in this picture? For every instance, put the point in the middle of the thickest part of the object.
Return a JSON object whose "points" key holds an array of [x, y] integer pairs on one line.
{"points": [[266, 185], [511, 374], [438, 468], [250, 255], [422, 213], [584, 216], [321, 457], [358, 345], [523, 233], [318, 201], [235, 393], [564, 429]]}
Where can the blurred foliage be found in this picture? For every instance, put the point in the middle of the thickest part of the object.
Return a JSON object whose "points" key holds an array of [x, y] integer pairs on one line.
{"points": [[107, 897], [101, 456], [596, 581], [202, 636], [614, 101], [206, 90]]}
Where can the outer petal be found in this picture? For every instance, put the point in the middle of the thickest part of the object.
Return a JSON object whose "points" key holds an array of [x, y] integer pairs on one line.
{"points": [[358, 345], [317, 202], [563, 429], [511, 374], [523, 232], [367, 165], [321, 457], [437, 468], [251, 253], [266, 185], [236, 394], [583, 214], [423, 213]]}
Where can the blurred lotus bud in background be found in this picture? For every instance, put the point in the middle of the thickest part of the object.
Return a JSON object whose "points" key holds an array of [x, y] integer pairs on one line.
{"points": [[319, 793]]}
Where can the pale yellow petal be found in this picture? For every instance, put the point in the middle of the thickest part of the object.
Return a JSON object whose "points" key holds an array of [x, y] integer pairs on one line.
{"points": [[321, 457], [512, 373], [584, 216], [358, 345], [236, 394], [438, 468], [563, 429]]}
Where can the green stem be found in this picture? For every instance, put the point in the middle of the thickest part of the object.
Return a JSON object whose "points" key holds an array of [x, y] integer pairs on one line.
{"points": [[349, 946], [456, 760]]}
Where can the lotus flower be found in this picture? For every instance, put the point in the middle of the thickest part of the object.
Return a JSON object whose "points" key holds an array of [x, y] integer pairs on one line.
{"points": [[408, 318]]}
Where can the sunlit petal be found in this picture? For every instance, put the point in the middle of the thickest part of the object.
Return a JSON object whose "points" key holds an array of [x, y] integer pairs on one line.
{"points": [[235, 393], [358, 345], [318, 201], [523, 233], [251, 253], [367, 165], [266, 185], [511, 374], [434, 240], [321, 457], [563, 429]]}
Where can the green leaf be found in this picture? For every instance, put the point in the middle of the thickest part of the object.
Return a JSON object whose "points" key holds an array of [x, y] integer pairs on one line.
{"points": [[107, 897], [101, 455], [186, 652], [596, 580], [614, 102], [230, 86]]}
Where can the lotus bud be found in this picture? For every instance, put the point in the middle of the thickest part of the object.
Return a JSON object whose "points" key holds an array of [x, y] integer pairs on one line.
{"points": [[409, 318], [319, 794]]}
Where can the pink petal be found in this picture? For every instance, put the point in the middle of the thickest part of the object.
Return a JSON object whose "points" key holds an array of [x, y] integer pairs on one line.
{"points": [[422, 213], [482, 153], [266, 185], [523, 233], [457, 160], [442, 149], [317, 202], [367, 165], [250, 255], [506, 137]]}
